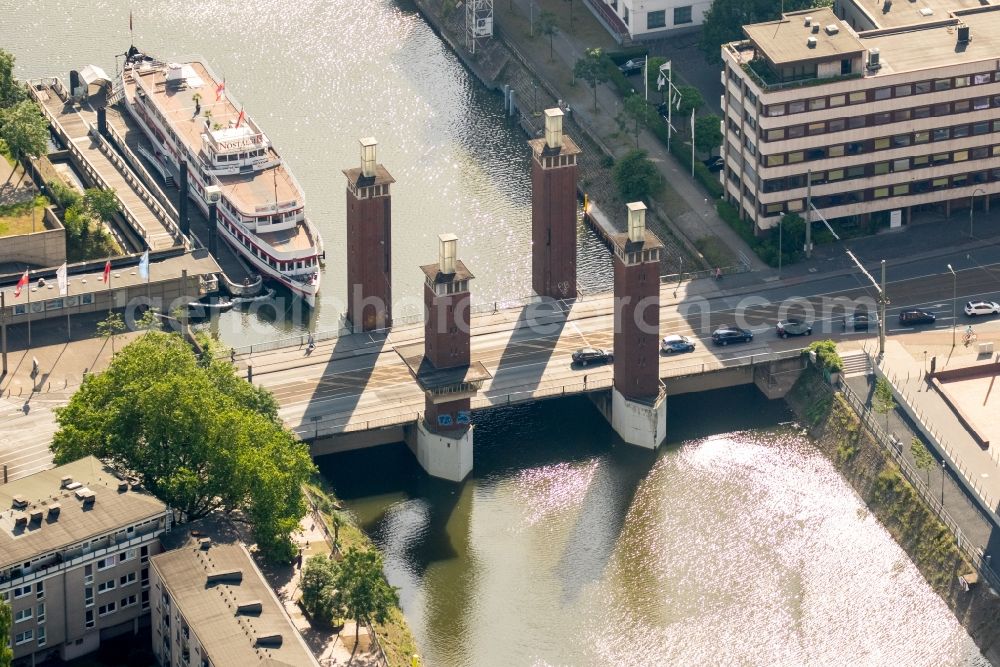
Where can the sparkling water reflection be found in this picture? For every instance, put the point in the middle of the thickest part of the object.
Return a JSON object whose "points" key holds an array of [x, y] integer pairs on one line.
{"points": [[741, 547], [318, 75]]}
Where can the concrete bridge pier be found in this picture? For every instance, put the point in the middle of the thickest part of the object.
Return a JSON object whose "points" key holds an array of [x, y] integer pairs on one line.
{"points": [[442, 437], [638, 405]]}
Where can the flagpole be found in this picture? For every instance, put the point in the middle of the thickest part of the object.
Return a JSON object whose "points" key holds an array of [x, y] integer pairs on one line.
{"points": [[645, 76], [3, 330], [670, 104], [29, 308], [69, 329], [692, 143]]}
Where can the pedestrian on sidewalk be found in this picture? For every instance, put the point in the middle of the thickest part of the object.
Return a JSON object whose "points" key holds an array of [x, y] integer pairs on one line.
{"points": [[718, 273]]}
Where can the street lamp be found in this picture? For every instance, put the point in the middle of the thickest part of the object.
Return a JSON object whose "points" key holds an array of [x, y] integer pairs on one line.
{"points": [[954, 295], [972, 207], [942, 482]]}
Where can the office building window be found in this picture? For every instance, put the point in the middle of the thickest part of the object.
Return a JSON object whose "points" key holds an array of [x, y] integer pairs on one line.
{"points": [[21, 591], [106, 609], [23, 615], [24, 637], [88, 596], [128, 601], [656, 19], [682, 15], [88, 574], [127, 579], [89, 618], [40, 590], [105, 586], [41, 636], [41, 612], [106, 562]]}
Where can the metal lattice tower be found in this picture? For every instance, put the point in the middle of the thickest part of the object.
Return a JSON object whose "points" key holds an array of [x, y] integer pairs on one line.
{"points": [[478, 22]]}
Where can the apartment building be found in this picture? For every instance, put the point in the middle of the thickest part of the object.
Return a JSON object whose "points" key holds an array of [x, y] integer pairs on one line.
{"points": [[884, 109], [211, 607], [75, 542]]}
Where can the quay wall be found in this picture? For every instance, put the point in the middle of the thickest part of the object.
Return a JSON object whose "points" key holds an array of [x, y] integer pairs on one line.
{"points": [[42, 248]]}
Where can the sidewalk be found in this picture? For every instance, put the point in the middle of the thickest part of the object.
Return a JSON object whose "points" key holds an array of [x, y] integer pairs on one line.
{"points": [[939, 423]]}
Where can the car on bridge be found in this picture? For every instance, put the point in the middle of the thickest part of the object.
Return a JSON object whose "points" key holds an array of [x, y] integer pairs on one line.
{"points": [[676, 343], [731, 334], [592, 355], [793, 327], [917, 316], [974, 308], [860, 321]]}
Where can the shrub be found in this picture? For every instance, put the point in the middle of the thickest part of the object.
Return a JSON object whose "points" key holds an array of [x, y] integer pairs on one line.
{"points": [[826, 355]]}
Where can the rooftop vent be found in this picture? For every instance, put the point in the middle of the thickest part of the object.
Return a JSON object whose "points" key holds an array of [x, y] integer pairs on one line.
{"points": [[447, 249], [926, 11], [65, 481], [636, 222], [873, 59], [205, 543], [225, 577], [265, 641], [964, 34], [19, 502], [36, 516], [815, 28], [886, 6], [809, 21], [122, 487], [21, 521], [54, 510], [368, 145], [811, 42], [832, 29], [73, 486], [81, 492], [86, 495], [250, 607], [553, 128]]}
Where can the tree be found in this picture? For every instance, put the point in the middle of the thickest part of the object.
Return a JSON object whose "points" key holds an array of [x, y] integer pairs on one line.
{"points": [[109, 327], [636, 112], [6, 654], [24, 129], [922, 458], [707, 135], [883, 401], [636, 177], [592, 68], [198, 437], [11, 92], [690, 99], [319, 588], [365, 593], [547, 26], [101, 204], [337, 521], [725, 19]]}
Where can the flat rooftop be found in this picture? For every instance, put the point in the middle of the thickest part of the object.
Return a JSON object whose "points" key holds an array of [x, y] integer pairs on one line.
{"points": [[197, 263], [925, 47], [74, 521], [907, 13], [785, 40], [227, 603]]}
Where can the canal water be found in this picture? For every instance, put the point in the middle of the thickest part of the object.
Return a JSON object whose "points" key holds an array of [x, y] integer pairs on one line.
{"points": [[318, 75], [737, 544]]}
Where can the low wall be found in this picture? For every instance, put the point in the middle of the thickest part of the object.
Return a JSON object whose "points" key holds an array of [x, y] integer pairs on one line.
{"points": [[962, 417], [42, 248], [966, 372]]}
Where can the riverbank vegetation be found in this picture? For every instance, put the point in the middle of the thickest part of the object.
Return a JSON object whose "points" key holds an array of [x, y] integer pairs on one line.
{"points": [[393, 633]]}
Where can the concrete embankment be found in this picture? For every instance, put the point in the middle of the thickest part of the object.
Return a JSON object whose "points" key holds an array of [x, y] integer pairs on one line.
{"points": [[838, 433]]}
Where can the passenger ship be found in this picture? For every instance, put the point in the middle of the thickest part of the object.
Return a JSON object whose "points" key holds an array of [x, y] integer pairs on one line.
{"points": [[185, 111]]}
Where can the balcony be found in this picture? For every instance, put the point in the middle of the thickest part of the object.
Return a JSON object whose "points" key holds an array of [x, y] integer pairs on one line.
{"points": [[762, 74]]}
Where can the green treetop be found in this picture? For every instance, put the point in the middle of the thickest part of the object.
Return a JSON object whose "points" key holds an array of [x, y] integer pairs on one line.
{"points": [[365, 593], [200, 438]]}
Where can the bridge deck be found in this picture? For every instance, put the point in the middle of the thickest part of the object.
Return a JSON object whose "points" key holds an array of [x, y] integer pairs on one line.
{"points": [[139, 206]]}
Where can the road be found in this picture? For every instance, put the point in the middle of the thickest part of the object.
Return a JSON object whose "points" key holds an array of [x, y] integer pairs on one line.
{"points": [[361, 381]]}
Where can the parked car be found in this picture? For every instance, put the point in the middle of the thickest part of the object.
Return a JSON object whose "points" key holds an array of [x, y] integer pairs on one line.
{"points": [[860, 321], [731, 334], [592, 355], [917, 316], [793, 327], [632, 66], [974, 308], [676, 343], [714, 163]]}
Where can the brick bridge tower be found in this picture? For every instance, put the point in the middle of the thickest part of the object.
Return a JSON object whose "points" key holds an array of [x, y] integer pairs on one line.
{"points": [[442, 440], [553, 210], [369, 242], [638, 405]]}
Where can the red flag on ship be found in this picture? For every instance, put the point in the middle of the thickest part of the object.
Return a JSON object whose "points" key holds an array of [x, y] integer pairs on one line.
{"points": [[20, 284], [107, 272], [220, 89], [239, 118]]}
